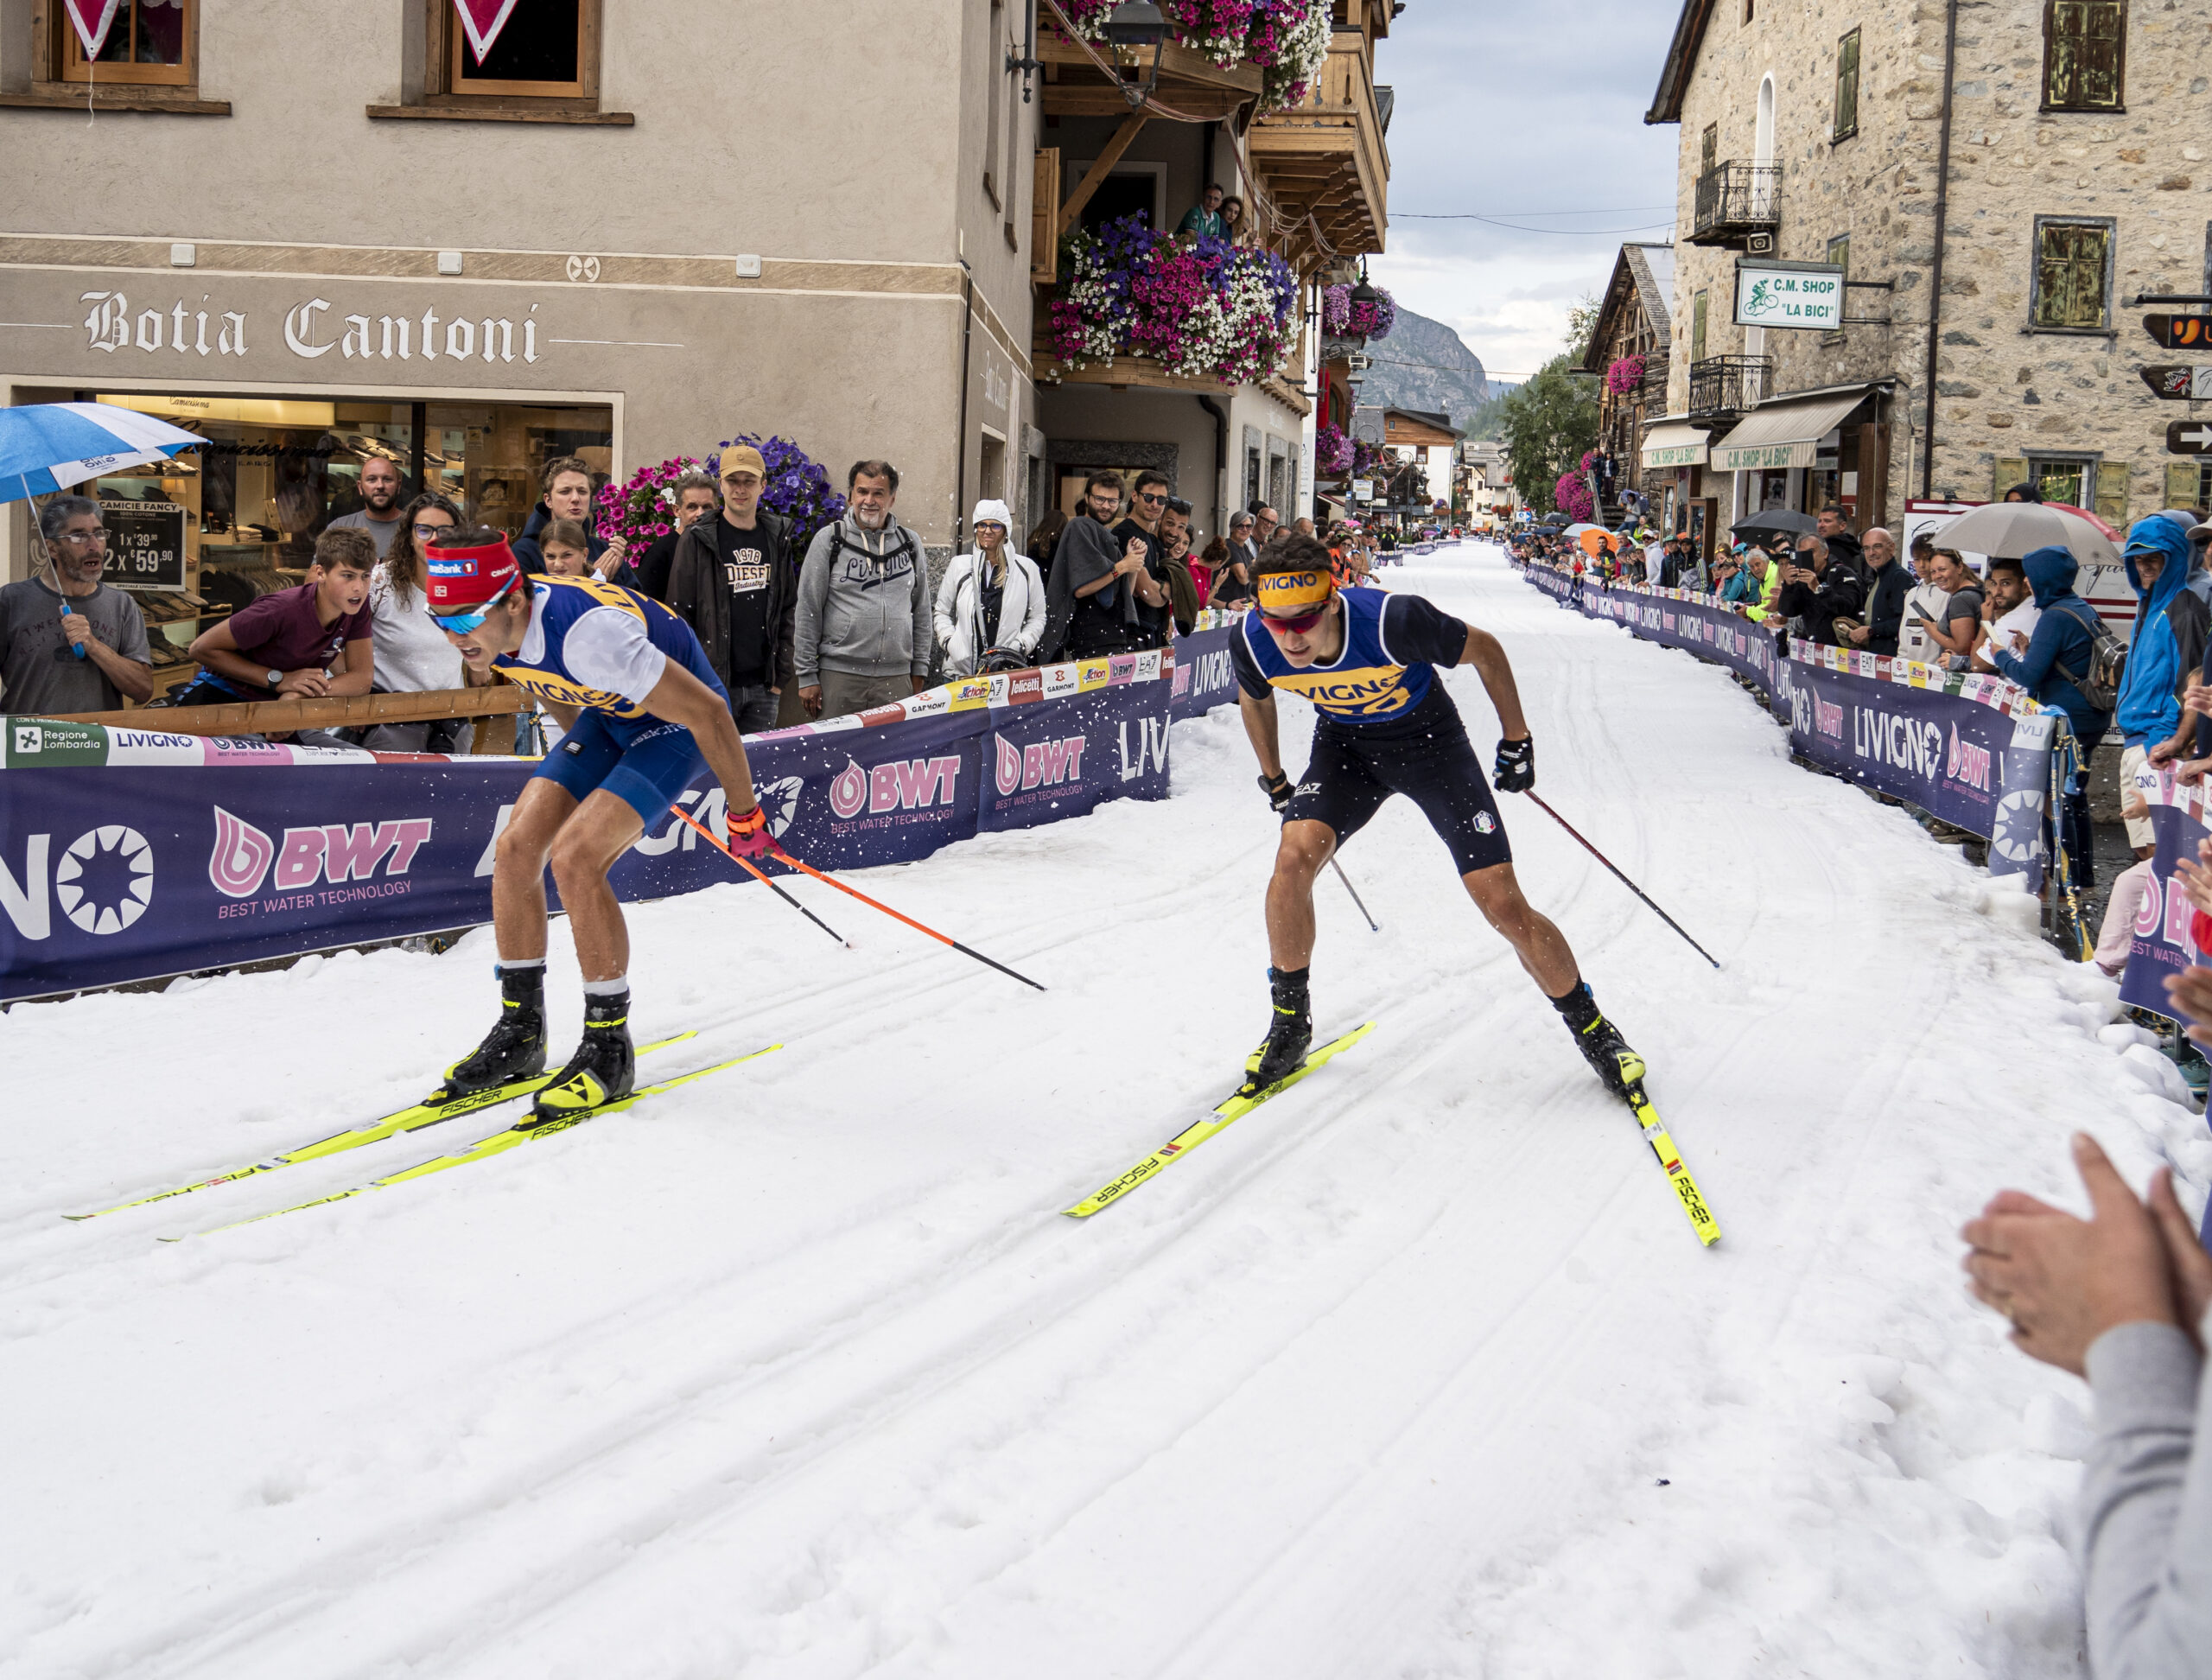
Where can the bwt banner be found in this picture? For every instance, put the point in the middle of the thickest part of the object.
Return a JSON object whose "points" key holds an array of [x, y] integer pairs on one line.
{"points": [[2162, 947], [129, 854], [1973, 750]]}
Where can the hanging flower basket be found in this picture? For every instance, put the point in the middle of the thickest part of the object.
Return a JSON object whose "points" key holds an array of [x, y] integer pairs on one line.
{"points": [[644, 508], [1333, 451], [1208, 309], [1625, 375], [1364, 319], [1572, 497], [1288, 39]]}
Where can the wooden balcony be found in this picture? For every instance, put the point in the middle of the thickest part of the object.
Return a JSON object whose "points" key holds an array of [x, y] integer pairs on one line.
{"points": [[1325, 161], [1143, 373], [1190, 82]]}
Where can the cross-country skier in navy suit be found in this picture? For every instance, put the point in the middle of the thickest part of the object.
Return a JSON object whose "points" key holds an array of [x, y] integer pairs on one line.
{"points": [[1366, 661]]}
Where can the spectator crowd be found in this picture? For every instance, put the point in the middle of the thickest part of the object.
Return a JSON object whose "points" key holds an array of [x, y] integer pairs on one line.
{"points": [[849, 620]]}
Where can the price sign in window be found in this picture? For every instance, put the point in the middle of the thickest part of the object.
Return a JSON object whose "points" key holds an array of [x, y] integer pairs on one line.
{"points": [[145, 544]]}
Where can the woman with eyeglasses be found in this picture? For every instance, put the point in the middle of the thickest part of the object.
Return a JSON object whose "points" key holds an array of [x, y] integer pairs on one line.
{"points": [[413, 656]]}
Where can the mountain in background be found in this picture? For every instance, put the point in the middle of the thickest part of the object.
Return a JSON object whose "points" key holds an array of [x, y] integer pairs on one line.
{"points": [[1424, 365]]}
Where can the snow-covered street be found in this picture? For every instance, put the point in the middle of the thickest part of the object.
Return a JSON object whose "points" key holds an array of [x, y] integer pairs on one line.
{"points": [[799, 1372]]}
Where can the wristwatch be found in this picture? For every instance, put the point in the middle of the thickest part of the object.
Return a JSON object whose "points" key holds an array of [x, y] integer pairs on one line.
{"points": [[273, 677]]}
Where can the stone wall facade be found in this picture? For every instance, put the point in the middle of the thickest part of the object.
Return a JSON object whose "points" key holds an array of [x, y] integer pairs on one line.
{"points": [[2006, 391]]}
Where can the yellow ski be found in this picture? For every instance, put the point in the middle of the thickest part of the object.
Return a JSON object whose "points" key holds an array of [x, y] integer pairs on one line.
{"points": [[426, 1113], [497, 1143], [1221, 1115], [1670, 1158]]}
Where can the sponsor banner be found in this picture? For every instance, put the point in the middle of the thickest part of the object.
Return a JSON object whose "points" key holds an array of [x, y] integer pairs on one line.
{"points": [[183, 853], [1044, 763], [1973, 750], [1204, 676], [2161, 947]]}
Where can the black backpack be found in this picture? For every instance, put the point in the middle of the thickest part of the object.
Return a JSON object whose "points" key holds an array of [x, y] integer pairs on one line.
{"points": [[2100, 684]]}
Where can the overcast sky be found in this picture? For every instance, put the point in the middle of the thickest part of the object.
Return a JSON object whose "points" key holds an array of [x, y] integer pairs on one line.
{"points": [[1507, 108]]}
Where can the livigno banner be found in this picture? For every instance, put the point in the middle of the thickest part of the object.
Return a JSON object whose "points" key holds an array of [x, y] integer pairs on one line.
{"points": [[131, 854], [1975, 751]]}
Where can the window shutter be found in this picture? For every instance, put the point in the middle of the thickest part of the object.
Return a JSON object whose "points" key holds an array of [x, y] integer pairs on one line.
{"points": [[1044, 215], [2085, 54], [2011, 470], [1708, 150], [2181, 484], [2070, 276], [2112, 492], [1846, 86], [1697, 329]]}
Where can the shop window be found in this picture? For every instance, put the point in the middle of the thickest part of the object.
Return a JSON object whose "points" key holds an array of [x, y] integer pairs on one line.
{"points": [[2071, 286], [2085, 55], [276, 470], [1847, 87], [151, 44], [1697, 328]]}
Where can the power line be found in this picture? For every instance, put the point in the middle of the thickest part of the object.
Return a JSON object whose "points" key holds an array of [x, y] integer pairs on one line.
{"points": [[1484, 215], [1522, 227]]}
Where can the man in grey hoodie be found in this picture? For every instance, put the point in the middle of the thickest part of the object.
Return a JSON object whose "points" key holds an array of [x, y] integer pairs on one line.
{"points": [[863, 632]]}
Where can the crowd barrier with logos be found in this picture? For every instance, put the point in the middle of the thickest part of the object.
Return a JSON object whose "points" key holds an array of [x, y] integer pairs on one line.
{"points": [[1975, 751], [131, 854], [2162, 946]]}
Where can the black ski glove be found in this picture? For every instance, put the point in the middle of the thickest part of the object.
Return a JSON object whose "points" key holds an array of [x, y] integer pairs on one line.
{"points": [[1278, 789], [1516, 771]]}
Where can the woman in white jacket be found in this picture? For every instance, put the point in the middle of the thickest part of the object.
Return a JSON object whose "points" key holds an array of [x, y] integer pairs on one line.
{"points": [[992, 600]]}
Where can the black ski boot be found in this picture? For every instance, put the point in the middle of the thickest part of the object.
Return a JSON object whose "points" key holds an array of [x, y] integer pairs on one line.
{"points": [[604, 1067], [1600, 1042], [1289, 1035], [515, 1048]]}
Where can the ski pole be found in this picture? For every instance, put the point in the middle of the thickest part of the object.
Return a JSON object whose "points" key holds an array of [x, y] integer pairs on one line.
{"points": [[1623, 879], [783, 857], [745, 865], [1354, 891]]}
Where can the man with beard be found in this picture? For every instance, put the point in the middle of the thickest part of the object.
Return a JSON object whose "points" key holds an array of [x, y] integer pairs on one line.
{"points": [[379, 511], [864, 622]]}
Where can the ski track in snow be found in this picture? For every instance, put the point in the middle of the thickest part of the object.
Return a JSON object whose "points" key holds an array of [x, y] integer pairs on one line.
{"points": [[797, 1371]]}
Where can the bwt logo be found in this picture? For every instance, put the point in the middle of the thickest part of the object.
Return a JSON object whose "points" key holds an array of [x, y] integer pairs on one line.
{"points": [[334, 853], [1966, 762], [1040, 764], [902, 785], [1828, 718]]}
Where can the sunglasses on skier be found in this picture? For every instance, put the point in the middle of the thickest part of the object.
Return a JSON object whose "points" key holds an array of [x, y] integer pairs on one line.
{"points": [[1294, 627]]}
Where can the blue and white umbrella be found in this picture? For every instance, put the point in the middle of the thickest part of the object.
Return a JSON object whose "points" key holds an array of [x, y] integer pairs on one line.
{"points": [[45, 447]]}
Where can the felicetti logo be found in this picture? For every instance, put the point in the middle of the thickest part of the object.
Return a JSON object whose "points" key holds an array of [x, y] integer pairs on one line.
{"points": [[902, 785], [333, 853], [1040, 764]]}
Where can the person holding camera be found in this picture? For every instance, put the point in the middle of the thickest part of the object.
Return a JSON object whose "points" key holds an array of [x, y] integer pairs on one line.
{"points": [[1819, 592], [990, 607]]}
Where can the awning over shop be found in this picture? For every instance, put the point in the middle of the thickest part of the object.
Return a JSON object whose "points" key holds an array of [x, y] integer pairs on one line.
{"points": [[1785, 431], [1674, 443]]}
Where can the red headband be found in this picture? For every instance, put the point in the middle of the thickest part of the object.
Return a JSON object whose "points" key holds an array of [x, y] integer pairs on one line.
{"points": [[461, 579]]}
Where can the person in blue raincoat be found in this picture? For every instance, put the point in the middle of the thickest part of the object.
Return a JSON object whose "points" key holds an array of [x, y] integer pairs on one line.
{"points": [[2169, 639], [2064, 640]]}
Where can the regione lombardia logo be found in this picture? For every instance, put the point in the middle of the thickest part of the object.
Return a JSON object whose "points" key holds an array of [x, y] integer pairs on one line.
{"points": [[106, 880]]}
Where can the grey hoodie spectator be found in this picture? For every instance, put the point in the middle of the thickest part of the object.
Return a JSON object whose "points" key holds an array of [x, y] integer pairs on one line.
{"points": [[992, 600], [863, 631]]}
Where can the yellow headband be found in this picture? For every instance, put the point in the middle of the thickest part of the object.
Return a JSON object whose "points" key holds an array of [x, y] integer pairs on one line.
{"points": [[1289, 593]]}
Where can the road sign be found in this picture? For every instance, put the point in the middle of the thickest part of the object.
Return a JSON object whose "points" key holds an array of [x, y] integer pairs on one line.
{"points": [[2189, 438], [2179, 332], [2179, 383]]}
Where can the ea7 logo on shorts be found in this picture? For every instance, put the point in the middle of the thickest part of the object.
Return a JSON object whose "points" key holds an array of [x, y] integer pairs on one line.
{"points": [[1309, 787]]}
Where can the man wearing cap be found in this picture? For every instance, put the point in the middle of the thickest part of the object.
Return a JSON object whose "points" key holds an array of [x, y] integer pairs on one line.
{"points": [[1366, 661], [732, 582], [644, 712]]}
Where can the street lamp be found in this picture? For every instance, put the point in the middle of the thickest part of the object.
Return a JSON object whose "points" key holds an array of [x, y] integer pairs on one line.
{"points": [[1363, 293], [1134, 24]]}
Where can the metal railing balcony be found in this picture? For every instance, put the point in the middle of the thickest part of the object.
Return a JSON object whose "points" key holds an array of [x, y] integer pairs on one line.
{"points": [[1722, 387], [1735, 200]]}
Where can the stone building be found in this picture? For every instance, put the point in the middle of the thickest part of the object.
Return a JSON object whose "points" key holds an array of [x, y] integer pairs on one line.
{"points": [[1634, 333], [2000, 182], [318, 234]]}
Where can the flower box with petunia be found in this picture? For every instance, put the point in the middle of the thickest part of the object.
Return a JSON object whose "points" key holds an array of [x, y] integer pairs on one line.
{"points": [[1288, 40], [1202, 310]]}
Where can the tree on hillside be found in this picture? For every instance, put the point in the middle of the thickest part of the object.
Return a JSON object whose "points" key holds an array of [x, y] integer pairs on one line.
{"points": [[1547, 425]]}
